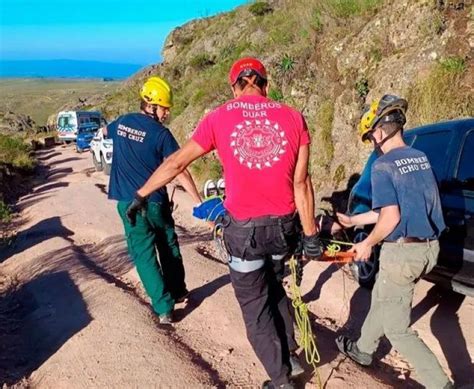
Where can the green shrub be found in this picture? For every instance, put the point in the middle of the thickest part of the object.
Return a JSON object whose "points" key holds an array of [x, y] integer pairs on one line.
{"points": [[275, 94], [233, 51], [5, 213], [260, 8], [349, 8], [201, 61], [362, 87], [14, 151], [287, 63], [453, 64]]}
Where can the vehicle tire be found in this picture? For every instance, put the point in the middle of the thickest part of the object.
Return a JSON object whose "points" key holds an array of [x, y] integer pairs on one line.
{"points": [[98, 165], [106, 166], [365, 272]]}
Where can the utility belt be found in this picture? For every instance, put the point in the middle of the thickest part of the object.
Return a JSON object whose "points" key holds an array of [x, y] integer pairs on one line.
{"points": [[258, 238]]}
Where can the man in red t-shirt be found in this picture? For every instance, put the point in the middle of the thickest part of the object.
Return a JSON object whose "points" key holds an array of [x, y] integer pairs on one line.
{"points": [[263, 146]]}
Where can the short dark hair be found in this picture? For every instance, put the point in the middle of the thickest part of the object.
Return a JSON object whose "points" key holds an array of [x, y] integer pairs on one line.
{"points": [[259, 81], [391, 127], [144, 105]]}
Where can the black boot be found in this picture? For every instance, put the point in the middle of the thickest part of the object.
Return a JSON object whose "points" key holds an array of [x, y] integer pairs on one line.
{"points": [[349, 347]]}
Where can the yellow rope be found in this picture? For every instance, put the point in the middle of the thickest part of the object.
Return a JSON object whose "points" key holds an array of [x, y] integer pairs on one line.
{"points": [[307, 340], [333, 249]]}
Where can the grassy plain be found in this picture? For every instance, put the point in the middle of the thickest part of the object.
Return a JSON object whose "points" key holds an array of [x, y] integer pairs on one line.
{"points": [[41, 97]]}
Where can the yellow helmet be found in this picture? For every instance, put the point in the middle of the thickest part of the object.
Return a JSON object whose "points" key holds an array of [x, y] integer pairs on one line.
{"points": [[388, 109], [157, 91]]}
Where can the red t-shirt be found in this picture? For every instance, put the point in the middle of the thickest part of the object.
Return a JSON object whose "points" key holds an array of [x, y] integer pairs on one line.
{"points": [[257, 140]]}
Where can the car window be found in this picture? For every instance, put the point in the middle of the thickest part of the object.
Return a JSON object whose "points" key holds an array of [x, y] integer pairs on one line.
{"points": [[465, 171], [65, 121], [435, 146]]}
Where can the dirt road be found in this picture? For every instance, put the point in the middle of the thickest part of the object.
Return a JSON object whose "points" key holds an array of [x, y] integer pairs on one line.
{"points": [[73, 314]]}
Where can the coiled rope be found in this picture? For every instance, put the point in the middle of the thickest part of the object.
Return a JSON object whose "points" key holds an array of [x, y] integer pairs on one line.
{"points": [[307, 340]]}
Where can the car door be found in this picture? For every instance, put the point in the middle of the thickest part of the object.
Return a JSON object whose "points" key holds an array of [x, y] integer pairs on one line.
{"points": [[457, 196], [95, 144]]}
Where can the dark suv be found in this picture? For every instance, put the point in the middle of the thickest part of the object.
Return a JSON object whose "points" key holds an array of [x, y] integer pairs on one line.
{"points": [[450, 149]]}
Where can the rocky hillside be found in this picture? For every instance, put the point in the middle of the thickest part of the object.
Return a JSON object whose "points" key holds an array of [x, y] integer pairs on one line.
{"points": [[327, 58]]}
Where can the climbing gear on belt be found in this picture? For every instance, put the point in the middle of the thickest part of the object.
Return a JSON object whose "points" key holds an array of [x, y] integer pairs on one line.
{"points": [[307, 340], [157, 91], [389, 109], [257, 238]]}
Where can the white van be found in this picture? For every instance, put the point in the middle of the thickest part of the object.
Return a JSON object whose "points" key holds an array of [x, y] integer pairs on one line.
{"points": [[69, 122]]}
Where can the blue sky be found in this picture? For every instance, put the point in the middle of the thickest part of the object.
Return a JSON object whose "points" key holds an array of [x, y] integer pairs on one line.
{"points": [[128, 31]]}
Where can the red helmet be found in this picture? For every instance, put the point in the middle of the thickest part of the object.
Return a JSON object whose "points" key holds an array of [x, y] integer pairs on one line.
{"points": [[244, 67]]}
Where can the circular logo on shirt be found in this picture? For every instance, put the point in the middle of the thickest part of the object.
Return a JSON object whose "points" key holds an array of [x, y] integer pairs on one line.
{"points": [[258, 144]]}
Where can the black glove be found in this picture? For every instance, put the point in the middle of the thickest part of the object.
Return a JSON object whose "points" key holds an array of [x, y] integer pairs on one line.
{"points": [[137, 205], [312, 247]]}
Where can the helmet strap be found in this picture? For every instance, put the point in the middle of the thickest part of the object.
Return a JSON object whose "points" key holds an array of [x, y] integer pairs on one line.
{"points": [[251, 83], [378, 145], [153, 114]]}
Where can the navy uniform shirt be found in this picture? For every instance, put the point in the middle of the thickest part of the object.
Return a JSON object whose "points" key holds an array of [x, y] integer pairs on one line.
{"points": [[140, 146], [404, 177]]}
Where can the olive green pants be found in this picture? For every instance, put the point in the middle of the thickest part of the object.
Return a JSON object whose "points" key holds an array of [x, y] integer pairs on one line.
{"points": [[163, 280], [401, 266]]}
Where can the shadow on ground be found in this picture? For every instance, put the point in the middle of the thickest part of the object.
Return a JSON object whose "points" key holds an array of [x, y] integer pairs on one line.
{"points": [[35, 321], [444, 324]]}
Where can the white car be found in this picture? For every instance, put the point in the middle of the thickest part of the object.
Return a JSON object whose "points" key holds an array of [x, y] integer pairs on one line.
{"points": [[102, 150]]}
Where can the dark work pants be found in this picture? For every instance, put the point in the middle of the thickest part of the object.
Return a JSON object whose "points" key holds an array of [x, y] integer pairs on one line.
{"points": [[163, 280], [267, 315]]}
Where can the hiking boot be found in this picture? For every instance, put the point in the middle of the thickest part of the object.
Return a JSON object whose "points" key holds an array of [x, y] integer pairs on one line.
{"points": [[166, 319], [269, 385], [296, 368], [349, 348]]}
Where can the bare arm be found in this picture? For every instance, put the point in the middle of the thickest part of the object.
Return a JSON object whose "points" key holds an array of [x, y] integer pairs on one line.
{"points": [[171, 167], [386, 223], [186, 180], [361, 219], [304, 197]]}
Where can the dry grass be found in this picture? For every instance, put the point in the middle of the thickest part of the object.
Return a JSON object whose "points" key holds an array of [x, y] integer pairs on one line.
{"points": [[442, 94]]}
